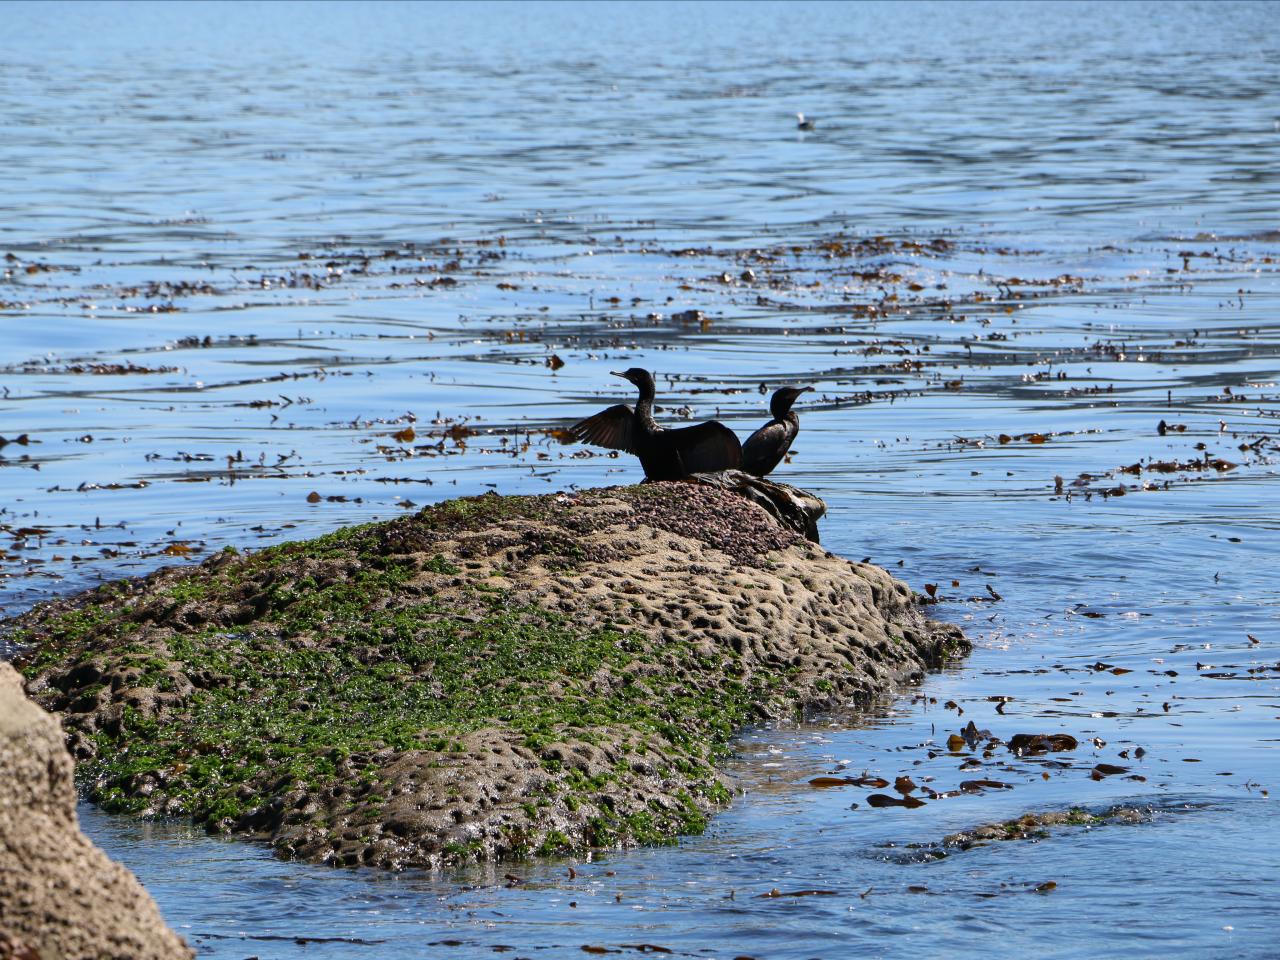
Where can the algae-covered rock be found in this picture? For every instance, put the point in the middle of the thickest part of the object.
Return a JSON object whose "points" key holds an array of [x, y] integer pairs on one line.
{"points": [[60, 896], [488, 678], [1034, 826]]}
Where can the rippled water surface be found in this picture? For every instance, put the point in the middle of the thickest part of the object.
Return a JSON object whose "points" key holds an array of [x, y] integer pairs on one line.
{"points": [[247, 246]]}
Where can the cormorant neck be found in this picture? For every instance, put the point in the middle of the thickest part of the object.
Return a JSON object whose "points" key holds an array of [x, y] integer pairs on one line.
{"points": [[644, 407]]}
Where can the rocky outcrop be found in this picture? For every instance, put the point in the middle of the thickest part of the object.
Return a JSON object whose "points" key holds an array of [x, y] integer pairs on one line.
{"points": [[488, 678], [791, 507], [62, 898]]}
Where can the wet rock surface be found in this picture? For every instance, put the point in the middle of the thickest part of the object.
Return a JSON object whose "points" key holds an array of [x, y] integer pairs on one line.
{"points": [[489, 678], [60, 896], [1035, 826]]}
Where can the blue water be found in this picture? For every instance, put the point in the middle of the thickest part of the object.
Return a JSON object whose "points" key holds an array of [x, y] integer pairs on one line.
{"points": [[164, 168]]}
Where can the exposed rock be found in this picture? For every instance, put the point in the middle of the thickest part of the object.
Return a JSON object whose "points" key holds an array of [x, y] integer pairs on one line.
{"points": [[62, 897], [793, 508], [488, 678], [1034, 826]]}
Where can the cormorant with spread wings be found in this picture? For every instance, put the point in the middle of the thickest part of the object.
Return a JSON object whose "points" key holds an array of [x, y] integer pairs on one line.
{"points": [[664, 454]]}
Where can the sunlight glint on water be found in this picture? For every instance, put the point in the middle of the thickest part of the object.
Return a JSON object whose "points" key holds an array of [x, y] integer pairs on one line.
{"points": [[163, 169]]}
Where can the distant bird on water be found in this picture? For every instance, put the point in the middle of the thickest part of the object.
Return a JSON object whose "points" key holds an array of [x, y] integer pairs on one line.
{"points": [[766, 447], [664, 454], [803, 124]]}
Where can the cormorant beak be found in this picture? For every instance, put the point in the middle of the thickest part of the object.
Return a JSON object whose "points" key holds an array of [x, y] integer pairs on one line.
{"points": [[617, 373], [804, 390]]}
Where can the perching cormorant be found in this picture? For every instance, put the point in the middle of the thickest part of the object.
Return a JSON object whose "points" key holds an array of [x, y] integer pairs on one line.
{"points": [[664, 454], [766, 447]]}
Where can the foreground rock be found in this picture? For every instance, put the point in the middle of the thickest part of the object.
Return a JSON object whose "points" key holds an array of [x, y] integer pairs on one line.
{"points": [[60, 896], [489, 678]]}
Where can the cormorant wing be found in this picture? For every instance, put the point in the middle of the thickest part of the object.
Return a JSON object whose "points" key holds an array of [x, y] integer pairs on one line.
{"points": [[706, 447], [613, 428], [765, 448]]}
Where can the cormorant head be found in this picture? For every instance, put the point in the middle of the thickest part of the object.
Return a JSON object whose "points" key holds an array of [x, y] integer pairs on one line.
{"points": [[783, 398], [642, 378]]}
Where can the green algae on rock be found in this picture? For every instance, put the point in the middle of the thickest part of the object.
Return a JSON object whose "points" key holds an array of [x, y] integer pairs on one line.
{"points": [[490, 678], [1034, 826]]}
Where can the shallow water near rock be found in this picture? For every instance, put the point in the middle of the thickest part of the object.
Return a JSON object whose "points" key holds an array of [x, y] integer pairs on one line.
{"points": [[265, 240]]}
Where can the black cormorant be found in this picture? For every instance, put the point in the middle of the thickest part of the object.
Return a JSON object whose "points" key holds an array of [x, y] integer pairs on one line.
{"points": [[766, 447], [664, 454]]}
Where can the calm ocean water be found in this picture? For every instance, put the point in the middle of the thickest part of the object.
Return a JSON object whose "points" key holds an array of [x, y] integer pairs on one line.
{"points": [[247, 244]]}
